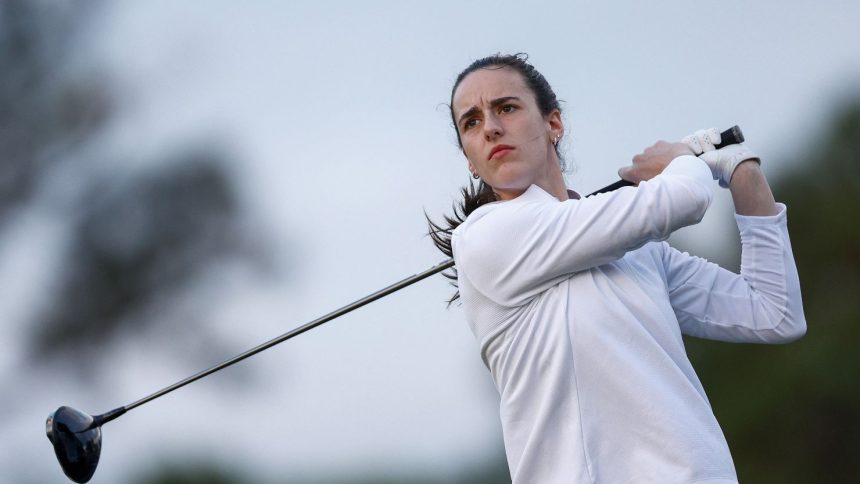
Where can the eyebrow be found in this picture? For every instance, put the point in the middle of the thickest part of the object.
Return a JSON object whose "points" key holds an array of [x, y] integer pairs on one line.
{"points": [[494, 103]]}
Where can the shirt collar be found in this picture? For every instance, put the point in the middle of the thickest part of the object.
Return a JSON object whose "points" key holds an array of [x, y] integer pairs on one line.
{"points": [[535, 193]]}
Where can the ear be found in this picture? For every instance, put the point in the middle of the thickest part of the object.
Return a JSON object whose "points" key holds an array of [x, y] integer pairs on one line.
{"points": [[554, 124], [471, 166]]}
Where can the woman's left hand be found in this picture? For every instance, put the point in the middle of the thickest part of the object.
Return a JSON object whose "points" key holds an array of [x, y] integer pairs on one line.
{"points": [[653, 161]]}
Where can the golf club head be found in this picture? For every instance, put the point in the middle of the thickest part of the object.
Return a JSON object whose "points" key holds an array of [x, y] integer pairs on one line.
{"points": [[77, 443]]}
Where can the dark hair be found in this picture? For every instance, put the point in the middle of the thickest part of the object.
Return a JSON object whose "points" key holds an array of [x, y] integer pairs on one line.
{"points": [[476, 195]]}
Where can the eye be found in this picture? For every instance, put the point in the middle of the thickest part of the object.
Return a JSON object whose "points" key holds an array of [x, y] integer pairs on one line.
{"points": [[470, 123], [507, 108]]}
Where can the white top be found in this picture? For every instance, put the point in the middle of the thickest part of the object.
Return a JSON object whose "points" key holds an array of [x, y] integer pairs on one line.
{"points": [[579, 314]]}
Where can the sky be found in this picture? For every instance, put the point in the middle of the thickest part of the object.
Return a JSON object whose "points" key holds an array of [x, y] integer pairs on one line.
{"points": [[336, 116]]}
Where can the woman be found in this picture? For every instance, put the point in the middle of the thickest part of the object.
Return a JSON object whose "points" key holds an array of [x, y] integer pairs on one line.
{"points": [[579, 307]]}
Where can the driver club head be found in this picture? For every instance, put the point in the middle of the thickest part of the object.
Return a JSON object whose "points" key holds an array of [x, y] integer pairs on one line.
{"points": [[77, 442]]}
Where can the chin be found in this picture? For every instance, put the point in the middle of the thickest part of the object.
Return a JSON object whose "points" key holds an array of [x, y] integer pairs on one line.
{"points": [[512, 186], [512, 180]]}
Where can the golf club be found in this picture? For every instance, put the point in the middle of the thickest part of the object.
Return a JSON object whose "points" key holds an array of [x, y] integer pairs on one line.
{"points": [[77, 437]]}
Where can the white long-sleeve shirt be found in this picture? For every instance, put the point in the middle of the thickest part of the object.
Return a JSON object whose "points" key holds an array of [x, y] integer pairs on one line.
{"points": [[578, 309]]}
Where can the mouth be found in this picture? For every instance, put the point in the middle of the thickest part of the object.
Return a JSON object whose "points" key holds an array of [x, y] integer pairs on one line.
{"points": [[499, 151]]}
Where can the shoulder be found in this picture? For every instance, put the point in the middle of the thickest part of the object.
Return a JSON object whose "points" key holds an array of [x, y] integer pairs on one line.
{"points": [[506, 213], [487, 228]]}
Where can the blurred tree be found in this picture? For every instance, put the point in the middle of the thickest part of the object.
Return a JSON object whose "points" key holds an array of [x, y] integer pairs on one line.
{"points": [[136, 246], [792, 413], [44, 112]]}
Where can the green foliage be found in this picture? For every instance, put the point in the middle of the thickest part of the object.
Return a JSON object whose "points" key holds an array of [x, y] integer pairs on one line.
{"points": [[792, 413], [194, 473], [493, 471]]}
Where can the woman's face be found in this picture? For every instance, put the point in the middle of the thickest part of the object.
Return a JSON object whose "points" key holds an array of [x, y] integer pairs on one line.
{"points": [[505, 138]]}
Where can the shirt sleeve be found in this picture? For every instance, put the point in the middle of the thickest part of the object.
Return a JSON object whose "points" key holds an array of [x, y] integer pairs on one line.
{"points": [[522, 247], [762, 304]]}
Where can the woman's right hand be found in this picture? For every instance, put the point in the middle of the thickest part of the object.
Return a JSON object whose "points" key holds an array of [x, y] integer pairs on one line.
{"points": [[653, 161]]}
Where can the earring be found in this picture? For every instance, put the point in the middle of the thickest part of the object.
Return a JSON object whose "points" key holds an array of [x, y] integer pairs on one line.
{"points": [[555, 141], [475, 175]]}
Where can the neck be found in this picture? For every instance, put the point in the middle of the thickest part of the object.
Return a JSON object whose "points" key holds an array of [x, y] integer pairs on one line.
{"points": [[551, 181], [557, 188]]}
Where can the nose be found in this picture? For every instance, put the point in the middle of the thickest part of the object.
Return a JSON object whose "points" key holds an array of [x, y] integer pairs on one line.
{"points": [[492, 127]]}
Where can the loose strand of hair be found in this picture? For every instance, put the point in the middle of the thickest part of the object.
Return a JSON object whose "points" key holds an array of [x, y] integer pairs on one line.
{"points": [[440, 233]]}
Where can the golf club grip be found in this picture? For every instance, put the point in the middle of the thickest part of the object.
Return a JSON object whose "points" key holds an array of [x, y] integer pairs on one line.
{"points": [[731, 136]]}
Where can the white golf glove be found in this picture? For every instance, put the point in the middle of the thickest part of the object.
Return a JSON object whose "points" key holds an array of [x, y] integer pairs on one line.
{"points": [[723, 161], [702, 140]]}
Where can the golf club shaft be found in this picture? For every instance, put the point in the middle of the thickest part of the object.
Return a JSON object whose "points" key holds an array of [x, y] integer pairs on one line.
{"points": [[730, 136], [104, 418]]}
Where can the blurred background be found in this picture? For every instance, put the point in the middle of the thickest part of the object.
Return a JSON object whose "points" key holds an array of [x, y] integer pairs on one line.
{"points": [[180, 181]]}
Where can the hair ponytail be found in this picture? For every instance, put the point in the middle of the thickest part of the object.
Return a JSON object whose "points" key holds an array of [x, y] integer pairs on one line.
{"points": [[473, 197]]}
